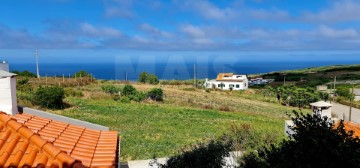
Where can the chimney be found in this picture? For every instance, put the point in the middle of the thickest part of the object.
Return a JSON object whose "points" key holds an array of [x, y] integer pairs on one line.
{"points": [[4, 66], [8, 102]]}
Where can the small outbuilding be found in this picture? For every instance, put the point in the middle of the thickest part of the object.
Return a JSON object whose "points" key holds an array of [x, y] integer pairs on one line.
{"points": [[322, 107]]}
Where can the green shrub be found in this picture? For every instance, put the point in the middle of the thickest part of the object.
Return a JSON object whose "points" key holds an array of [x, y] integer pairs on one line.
{"points": [[50, 97], [25, 96], [82, 73], [125, 100], [23, 85], [145, 77], [344, 91], [116, 97], [138, 97], [128, 90], [156, 94], [316, 142], [25, 74], [72, 92], [111, 89], [202, 156]]}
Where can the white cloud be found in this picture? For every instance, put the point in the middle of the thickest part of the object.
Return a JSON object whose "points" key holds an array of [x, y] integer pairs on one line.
{"points": [[338, 11], [119, 8], [337, 33], [193, 31], [154, 31], [91, 30]]}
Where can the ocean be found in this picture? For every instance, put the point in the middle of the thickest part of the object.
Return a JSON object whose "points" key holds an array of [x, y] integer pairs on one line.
{"points": [[165, 71]]}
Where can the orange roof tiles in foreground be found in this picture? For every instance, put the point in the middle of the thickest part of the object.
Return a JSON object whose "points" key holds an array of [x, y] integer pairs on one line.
{"points": [[354, 127], [31, 141]]}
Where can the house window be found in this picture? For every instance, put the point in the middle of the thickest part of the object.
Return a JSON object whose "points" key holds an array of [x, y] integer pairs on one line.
{"points": [[221, 85], [237, 86], [231, 85]]}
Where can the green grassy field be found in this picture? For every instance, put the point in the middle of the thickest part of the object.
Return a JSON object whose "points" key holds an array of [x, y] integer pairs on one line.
{"points": [[162, 129]]}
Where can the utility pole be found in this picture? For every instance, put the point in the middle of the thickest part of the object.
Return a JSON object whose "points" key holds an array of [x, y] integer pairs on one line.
{"points": [[334, 89], [37, 63], [351, 101], [195, 84]]}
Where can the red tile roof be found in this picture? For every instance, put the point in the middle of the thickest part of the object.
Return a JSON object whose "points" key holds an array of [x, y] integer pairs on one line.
{"points": [[27, 140], [354, 127]]}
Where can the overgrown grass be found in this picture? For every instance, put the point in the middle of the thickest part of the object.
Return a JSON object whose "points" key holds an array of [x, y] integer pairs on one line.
{"points": [[162, 129]]}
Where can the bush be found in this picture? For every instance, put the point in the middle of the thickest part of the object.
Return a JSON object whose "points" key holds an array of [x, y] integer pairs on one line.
{"points": [[316, 142], [344, 91], [128, 90], [202, 156], [138, 97], [156, 94], [25, 74], [81, 73], [50, 97], [23, 85], [111, 89], [116, 97], [125, 99], [145, 77]]}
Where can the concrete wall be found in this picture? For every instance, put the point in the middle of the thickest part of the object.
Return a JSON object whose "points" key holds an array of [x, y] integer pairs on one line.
{"points": [[8, 102], [62, 119], [288, 125]]}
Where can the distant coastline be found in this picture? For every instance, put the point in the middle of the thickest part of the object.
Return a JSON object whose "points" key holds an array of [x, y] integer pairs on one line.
{"points": [[112, 71]]}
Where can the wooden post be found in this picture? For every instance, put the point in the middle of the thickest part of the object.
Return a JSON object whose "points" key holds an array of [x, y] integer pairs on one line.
{"points": [[284, 80], [46, 79], [63, 78]]}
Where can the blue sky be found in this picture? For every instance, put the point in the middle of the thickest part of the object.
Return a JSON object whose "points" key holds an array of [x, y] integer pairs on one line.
{"points": [[102, 30]]}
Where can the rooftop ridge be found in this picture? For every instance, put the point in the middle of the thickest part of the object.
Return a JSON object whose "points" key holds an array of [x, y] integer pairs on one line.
{"points": [[41, 144]]}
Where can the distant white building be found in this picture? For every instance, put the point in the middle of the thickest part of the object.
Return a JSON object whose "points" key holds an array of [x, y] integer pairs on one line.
{"points": [[225, 81], [260, 81]]}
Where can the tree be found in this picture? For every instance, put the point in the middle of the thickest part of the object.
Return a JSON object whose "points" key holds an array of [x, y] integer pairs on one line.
{"points": [[25, 73], [145, 77], [50, 97], [82, 73], [317, 142], [344, 91]]}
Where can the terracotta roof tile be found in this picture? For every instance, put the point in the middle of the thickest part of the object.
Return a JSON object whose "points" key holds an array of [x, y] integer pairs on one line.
{"points": [[32, 141]]}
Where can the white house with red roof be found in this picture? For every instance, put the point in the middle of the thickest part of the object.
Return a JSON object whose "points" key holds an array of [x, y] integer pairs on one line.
{"points": [[228, 81]]}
